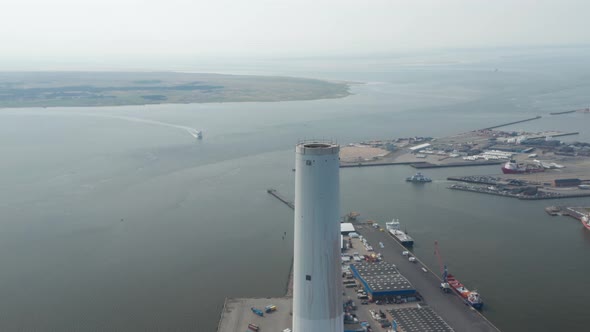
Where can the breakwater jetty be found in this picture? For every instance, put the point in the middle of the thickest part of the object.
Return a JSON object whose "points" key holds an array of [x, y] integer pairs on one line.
{"points": [[457, 164], [525, 193], [374, 164], [569, 211], [554, 135], [513, 122], [423, 164], [563, 112], [281, 198]]}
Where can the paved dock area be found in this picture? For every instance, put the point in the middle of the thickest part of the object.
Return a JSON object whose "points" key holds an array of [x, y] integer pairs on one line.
{"points": [[363, 312], [449, 306], [237, 315], [419, 319]]}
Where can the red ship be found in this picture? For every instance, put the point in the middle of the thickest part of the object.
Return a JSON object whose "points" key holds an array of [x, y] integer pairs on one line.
{"points": [[471, 297], [585, 222], [512, 167]]}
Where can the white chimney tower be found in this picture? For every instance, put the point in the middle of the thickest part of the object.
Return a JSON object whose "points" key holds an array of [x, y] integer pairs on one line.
{"points": [[317, 275]]}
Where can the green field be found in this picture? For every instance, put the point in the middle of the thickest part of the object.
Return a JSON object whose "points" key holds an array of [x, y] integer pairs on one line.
{"points": [[46, 89]]}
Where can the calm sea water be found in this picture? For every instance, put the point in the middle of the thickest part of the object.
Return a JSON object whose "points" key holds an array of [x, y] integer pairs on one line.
{"points": [[110, 222]]}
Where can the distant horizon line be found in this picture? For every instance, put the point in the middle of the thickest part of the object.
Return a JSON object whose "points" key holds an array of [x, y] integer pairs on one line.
{"points": [[330, 54], [240, 64]]}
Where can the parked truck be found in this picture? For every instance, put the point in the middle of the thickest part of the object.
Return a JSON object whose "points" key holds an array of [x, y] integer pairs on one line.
{"points": [[257, 311]]}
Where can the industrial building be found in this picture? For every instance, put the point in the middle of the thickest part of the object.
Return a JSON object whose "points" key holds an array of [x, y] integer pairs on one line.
{"points": [[381, 279]]}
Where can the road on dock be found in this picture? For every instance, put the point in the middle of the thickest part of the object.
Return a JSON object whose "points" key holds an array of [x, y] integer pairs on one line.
{"points": [[449, 306]]}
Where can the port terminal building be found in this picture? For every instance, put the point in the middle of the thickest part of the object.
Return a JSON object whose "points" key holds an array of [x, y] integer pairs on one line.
{"points": [[381, 280], [346, 228]]}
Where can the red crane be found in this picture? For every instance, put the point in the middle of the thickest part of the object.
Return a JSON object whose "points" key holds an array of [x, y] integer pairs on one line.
{"points": [[437, 254]]}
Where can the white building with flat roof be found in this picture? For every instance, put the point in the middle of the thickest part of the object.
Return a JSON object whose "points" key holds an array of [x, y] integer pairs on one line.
{"points": [[346, 228], [419, 147]]}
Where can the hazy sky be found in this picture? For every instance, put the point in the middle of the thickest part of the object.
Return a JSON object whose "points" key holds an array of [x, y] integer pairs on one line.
{"points": [[33, 28]]}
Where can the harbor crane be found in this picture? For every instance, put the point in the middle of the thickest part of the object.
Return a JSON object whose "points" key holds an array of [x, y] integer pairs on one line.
{"points": [[444, 285]]}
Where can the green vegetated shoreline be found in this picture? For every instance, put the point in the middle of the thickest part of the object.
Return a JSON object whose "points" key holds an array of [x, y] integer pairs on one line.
{"points": [[57, 89]]}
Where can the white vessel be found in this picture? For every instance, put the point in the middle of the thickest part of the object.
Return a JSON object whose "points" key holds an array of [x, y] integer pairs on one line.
{"points": [[393, 227], [419, 178]]}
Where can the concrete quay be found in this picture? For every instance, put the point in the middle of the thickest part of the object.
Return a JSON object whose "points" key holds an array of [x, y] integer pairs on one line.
{"points": [[236, 314], [575, 212], [511, 123], [449, 306]]}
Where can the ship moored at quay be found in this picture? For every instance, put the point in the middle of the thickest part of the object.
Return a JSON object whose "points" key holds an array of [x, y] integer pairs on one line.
{"points": [[394, 229], [427, 283], [449, 282], [393, 287], [471, 297], [511, 167]]}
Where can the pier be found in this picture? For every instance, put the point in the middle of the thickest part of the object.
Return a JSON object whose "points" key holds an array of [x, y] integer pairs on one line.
{"points": [[457, 164], [555, 135], [520, 194], [581, 110], [488, 180], [429, 306], [513, 122], [567, 211], [424, 164], [448, 309], [237, 314], [373, 164], [449, 306], [281, 198], [563, 112]]}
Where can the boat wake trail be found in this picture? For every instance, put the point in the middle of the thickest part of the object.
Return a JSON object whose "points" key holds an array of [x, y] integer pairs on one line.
{"points": [[191, 131]]}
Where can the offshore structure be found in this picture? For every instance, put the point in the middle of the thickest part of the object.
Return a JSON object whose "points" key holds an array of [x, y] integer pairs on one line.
{"points": [[317, 277]]}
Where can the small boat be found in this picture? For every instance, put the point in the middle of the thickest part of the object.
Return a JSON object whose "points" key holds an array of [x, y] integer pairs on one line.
{"points": [[253, 327], [418, 178], [586, 221]]}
